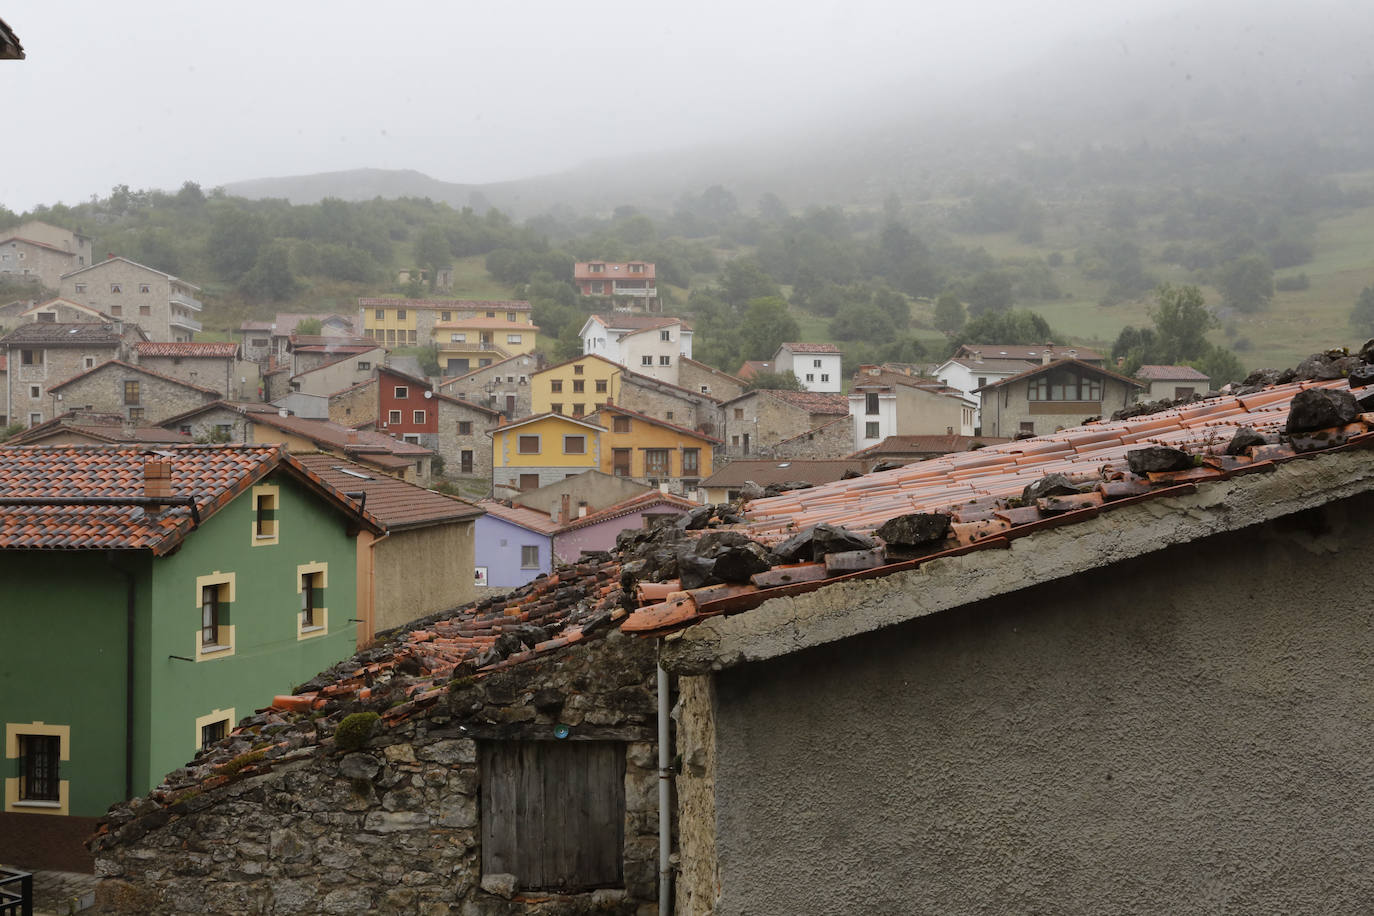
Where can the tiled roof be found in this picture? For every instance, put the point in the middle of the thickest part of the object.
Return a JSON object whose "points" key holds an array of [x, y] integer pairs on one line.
{"points": [[449, 381], [1171, 373], [67, 303], [886, 378], [99, 426], [990, 366], [981, 492], [142, 370], [352, 441], [36, 244], [211, 475], [695, 434], [615, 270], [752, 367], [633, 504], [1060, 364], [328, 344], [525, 517], [63, 334], [930, 445], [395, 503], [153, 270], [207, 350], [764, 472], [813, 402], [811, 347], [581, 421], [1030, 352], [712, 369], [454, 305], [628, 322]]}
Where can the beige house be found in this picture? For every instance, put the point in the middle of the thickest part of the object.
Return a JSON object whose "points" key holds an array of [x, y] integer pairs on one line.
{"points": [[208, 364], [339, 373], [886, 403], [42, 252], [163, 305], [40, 355], [1172, 382], [62, 311], [1060, 394]]}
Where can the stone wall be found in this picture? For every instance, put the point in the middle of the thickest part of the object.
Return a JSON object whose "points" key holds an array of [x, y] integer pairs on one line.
{"points": [[835, 439], [450, 443], [205, 372], [394, 826], [670, 404], [494, 385], [57, 365], [354, 406], [692, 375], [766, 421], [159, 398]]}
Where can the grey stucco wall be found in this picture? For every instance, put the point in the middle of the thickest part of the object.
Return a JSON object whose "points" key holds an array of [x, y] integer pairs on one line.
{"points": [[1186, 732], [422, 571]]}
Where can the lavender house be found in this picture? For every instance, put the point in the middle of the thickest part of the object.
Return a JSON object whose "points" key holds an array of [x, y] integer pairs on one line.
{"points": [[598, 530]]}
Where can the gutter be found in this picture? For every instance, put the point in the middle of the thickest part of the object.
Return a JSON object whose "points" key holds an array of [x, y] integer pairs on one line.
{"points": [[187, 501]]}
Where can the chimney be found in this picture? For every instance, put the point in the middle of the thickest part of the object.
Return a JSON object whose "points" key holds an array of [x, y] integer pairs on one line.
{"points": [[565, 509], [157, 479], [352, 437], [581, 510], [1047, 356], [610, 401], [949, 430], [663, 487], [977, 356]]}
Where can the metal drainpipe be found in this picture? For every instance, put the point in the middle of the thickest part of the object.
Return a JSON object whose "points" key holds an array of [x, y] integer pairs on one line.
{"points": [[665, 814]]}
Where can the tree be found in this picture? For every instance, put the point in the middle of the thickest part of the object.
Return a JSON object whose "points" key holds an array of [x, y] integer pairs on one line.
{"points": [[1362, 315], [990, 291], [1247, 284], [765, 327], [949, 315], [744, 280], [432, 251], [1182, 321], [309, 327], [863, 321], [775, 381], [270, 277], [1019, 326], [235, 239]]}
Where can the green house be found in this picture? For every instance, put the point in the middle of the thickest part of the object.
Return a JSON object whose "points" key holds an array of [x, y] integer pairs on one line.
{"points": [[148, 600]]}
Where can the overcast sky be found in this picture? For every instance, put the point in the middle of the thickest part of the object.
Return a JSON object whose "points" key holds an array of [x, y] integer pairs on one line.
{"points": [[151, 93]]}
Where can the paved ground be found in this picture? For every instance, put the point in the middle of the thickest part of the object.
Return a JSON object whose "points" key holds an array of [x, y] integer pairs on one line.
{"points": [[61, 893]]}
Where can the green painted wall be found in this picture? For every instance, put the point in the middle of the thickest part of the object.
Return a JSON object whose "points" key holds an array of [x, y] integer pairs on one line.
{"points": [[268, 659], [62, 653], [62, 661]]}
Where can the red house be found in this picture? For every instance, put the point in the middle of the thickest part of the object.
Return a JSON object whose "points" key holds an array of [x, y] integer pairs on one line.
{"points": [[406, 407], [631, 279]]}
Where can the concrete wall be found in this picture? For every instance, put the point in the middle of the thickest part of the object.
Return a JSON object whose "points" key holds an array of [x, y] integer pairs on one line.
{"points": [[596, 488], [421, 571], [1187, 731]]}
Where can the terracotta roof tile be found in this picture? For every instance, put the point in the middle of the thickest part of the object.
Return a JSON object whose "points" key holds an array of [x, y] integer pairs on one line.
{"points": [[813, 402], [205, 350], [395, 503], [63, 334], [811, 347], [1171, 373]]}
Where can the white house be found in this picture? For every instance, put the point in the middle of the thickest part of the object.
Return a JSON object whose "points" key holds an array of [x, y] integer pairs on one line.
{"points": [[816, 365], [649, 345]]}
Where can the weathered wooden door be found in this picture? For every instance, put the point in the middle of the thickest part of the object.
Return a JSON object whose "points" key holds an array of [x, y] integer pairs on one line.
{"points": [[553, 813]]}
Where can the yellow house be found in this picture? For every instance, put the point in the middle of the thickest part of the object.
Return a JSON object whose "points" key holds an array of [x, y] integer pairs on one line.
{"points": [[654, 451], [576, 387], [465, 342], [544, 449], [502, 328]]}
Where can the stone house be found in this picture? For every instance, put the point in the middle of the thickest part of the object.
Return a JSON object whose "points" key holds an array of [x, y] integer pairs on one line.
{"points": [[1053, 396], [141, 395], [665, 401], [307, 352], [266, 340], [163, 305], [88, 427], [181, 584], [829, 440], [210, 365], [816, 365], [463, 439], [884, 403], [425, 562], [503, 385], [590, 491], [355, 406], [43, 252], [1171, 382], [764, 417], [699, 377], [43, 354], [505, 769], [1117, 647], [62, 311]]}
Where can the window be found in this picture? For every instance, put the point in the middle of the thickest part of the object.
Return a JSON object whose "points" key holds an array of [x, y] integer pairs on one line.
{"points": [[528, 482], [393, 416], [665, 335], [30, 357], [145, 309], [734, 441], [400, 314], [620, 424], [574, 445], [636, 268], [656, 462], [412, 438], [528, 445], [135, 414], [311, 581], [982, 381], [417, 416], [144, 288], [402, 392], [556, 408], [47, 316], [1182, 393], [510, 316], [380, 314], [1064, 385], [871, 430], [690, 461], [825, 376], [646, 360], [265, 514], [216, 593], [577, 370], [35, 392], [184, 429], [457, 338], [579, 410], [1028, 426], [871, 403], [601, 386], [665, 360], [529, 556], [39, 777], [465, 461], [620, 462], [131, 391], [81, 287], [810, 377], [815, 364], [556, 386], [595, 268], [88, 362], [739, 413], [445, 316], [212, 732], [116, 310], [513, 338], [35, 419], [579, 385], [364, 365], [223, 431], [465, 427], [116, 287], [491, 314], [667, 415]]}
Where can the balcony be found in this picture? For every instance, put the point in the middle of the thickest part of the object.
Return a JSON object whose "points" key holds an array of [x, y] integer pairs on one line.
{"points": [[634, 291], [184, 321], [186, 299]]}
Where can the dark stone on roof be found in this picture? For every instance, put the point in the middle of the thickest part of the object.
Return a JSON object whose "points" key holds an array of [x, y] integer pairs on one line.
{"points": [[1158, 459], [720, 556], [1244, 438], [776, 489], [1325, 366], [850, 475], [1367, 351], [696, 519], [886, 466], [1317, 440], [1049, 485], [1361, 375], [694, 571], [815, 543], [914, 529], [1320, 408]]}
